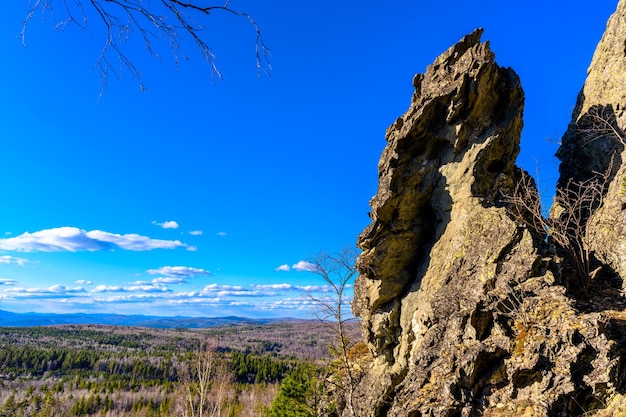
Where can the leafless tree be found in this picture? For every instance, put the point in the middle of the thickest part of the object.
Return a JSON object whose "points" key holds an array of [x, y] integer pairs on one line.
{"points": [[168, 21], [207, 388], [339, 271]]}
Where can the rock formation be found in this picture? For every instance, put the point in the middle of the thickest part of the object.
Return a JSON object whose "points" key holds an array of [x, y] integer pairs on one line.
{"points": [[594, 143], [468, 307]]}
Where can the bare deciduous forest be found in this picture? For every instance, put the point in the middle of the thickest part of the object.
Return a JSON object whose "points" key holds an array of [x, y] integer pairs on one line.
{"points": [[93, 370]]}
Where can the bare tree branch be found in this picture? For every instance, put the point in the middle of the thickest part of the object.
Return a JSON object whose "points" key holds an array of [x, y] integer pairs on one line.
{"points": [[600, 122], [170, 21]]}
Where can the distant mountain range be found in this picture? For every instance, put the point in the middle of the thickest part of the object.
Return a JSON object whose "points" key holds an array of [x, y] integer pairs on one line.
{"points": [[9, 319]]}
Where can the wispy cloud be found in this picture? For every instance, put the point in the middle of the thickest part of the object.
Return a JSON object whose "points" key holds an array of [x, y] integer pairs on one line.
{"points": [[221, 233], [170, 224], [107, 288], [56, 290], [297, 303], [283, 267], [168, 280], [196, 232], [84, 282], [304, 266], [134, 287], [146, 288], [168, 295], [73, 239], [6, 259], [178, 271], [283, 286], [290, 287]]}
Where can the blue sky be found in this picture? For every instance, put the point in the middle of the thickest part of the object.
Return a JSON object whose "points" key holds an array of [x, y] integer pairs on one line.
{"points": [[204, 197]]}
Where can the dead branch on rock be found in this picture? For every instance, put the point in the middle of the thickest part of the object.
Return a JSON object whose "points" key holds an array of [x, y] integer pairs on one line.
{"points": [[567, 226], [599, 122]]}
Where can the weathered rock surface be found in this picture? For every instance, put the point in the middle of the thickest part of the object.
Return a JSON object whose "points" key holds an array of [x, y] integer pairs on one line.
{"points": [[466, 310], [594, 142]]}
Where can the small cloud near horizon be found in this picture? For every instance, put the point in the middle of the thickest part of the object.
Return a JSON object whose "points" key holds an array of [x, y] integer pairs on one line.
{"points": [[283, 267], [170, 224], [196, 232], [83, 282], [178, 271]]}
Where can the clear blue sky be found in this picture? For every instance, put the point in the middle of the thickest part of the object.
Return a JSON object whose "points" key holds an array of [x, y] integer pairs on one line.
{"points": [[257, 173]]}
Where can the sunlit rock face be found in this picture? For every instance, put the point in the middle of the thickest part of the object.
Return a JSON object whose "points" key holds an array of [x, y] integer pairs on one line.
{"points": [[466, 310], [595, 140]]}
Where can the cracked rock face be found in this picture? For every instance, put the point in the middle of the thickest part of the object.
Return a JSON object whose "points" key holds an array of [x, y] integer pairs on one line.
{"points": [[595, 141], [464, 309]]}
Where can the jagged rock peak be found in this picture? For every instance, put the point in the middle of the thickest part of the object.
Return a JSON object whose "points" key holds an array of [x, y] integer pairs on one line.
{"points": [[461, 305], [448, 159]]}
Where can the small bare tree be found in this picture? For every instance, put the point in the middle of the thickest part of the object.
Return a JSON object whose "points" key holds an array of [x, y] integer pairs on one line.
{"points": [[576, 201], [207, 386], [338, 271], [567, 225], [168, 21]]}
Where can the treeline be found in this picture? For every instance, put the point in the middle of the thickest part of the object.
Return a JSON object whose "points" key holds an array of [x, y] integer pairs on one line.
{"points": [[36, 362], [105, 371]]}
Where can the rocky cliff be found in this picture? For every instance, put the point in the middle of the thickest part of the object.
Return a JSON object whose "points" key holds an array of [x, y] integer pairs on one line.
{"points": [[471, 303]]}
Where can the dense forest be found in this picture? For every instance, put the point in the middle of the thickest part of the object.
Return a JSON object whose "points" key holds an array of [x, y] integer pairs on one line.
{"points": [[283, 368]]}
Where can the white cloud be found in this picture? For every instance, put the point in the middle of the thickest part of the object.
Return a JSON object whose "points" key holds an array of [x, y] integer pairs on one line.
{"points": [[314, 288], [134, 287], [272, 286], [73, 239], [6, 281], [55, 290], [283, 267], [221, 233], [146, 288], [178, 271], [6, 259], [170, 224], [134, 242], [216, 287], [84, 282], [196, 232], [304, 266], [107, 288], [168, 280], [300, 303]]}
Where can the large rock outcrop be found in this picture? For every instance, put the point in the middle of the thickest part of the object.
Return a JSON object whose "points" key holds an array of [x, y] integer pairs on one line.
{"points": [[467, 308], [594, 144]]}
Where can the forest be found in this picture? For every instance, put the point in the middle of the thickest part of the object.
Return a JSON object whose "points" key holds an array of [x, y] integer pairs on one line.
{"points": [[282, 368]]}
